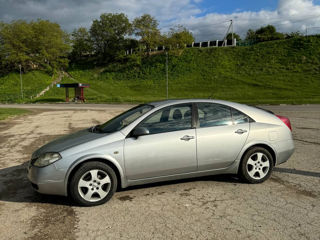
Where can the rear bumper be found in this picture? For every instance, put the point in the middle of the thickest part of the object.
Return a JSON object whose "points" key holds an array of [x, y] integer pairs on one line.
{"points": [[47, 180], [284, 150]]}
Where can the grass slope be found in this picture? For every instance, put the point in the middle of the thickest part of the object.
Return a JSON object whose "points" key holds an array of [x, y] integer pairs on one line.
{"points": [[272, 72], [33, 83]]}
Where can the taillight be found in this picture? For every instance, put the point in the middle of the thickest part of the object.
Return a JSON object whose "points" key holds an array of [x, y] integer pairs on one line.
{"points": [[286, 121]]}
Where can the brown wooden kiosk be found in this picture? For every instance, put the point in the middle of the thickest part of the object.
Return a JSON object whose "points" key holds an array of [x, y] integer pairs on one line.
{"points": [[78, 90]]}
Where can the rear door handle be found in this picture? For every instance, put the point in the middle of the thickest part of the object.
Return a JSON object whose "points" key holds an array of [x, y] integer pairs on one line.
{"points": [[187, 138], [241, 131]]}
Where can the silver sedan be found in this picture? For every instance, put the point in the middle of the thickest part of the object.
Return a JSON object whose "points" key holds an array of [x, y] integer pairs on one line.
{"points": [[162, 141]]}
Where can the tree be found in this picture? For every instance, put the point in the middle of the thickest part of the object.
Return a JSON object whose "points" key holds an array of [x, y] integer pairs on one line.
{"points": [[263, 34], [293, 34], [131, 43], [15, 47], [178, 37], [146, 27], [268, 33], [81, 44], [108, 35], [51, 45], [235, 36], [251, 35], [37, 44]]}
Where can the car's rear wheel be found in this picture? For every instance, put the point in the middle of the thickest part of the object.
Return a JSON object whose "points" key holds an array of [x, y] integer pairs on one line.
{"points": [[256, 165], [93, 184]]}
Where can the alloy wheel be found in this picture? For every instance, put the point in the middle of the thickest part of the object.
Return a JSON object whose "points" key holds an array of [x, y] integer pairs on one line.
{"points": [[258, 165], [94, 185]]}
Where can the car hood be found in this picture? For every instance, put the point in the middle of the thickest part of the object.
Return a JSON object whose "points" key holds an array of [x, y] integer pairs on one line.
{"points": [[68, 141]]}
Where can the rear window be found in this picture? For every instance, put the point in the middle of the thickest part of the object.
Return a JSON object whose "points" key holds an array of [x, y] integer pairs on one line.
{"points": [[239, 117], [212, 114]]}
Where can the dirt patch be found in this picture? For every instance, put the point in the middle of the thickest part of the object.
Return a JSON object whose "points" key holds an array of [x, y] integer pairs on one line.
{"points": [[126, 198], [185, 194], [13, 180], [308, 142], [293, 187], [54, 222], [56, 218]]}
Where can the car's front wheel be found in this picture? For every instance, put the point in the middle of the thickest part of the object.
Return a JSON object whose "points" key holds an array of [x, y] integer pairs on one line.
{"points": [[256, 165], [93, 184]]}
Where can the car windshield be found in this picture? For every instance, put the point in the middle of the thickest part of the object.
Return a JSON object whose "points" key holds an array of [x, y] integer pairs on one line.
{"points": [[124, 119]]}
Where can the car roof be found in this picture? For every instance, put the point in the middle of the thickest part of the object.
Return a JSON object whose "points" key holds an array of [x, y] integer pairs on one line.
{"points": [[178, 101]]}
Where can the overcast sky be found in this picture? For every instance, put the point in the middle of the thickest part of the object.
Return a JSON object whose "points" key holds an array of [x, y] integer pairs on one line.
{"points": [[207, 19]]}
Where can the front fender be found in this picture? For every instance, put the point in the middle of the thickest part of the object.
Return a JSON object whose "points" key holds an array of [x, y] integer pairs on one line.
{"points": [[105, 158]]}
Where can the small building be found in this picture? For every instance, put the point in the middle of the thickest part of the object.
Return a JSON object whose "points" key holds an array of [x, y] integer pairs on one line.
{"points": [[78, 90]]}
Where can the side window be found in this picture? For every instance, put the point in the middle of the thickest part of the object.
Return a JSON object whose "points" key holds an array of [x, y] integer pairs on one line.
{"points": [[168, 119], [212, 114], [239, 117]]}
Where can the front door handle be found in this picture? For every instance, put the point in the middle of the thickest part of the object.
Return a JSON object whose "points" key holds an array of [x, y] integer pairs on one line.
{"points": [[187, 138], [241, 131]]}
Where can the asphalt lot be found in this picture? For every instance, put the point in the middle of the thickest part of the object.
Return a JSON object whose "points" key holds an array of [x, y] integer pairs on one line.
{"points": [[287, 206]]}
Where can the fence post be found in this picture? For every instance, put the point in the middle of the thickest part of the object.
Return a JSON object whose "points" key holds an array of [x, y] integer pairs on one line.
{"points": [[217, 43], [225, 42], [208, 43], [234, 42], [192, 44], [200, 44]]}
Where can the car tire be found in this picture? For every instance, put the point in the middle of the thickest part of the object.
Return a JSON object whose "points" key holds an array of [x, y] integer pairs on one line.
{"points": [[256, 165], [94, 183]]}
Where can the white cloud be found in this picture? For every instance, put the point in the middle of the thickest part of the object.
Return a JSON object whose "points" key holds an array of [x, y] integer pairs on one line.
{"points": [[74, 13], [290, 15]]}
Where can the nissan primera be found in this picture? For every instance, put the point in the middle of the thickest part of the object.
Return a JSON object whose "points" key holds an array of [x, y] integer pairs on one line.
{"points": [[162, 141]]}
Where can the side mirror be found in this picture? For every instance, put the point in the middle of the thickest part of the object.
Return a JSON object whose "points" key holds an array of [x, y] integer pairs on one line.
{"points": [[140, 131]]}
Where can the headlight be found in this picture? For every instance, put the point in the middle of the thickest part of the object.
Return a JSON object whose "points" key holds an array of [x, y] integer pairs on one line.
{"points": [[46, 159]]}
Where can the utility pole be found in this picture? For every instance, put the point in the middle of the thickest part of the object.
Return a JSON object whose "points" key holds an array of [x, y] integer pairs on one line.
{"points": [[167, 78], [21, 82], [228, 31], [232, 32]]}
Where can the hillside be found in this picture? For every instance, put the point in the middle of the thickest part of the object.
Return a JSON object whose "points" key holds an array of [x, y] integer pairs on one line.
{"points": [[286, 71], [33, 82]]}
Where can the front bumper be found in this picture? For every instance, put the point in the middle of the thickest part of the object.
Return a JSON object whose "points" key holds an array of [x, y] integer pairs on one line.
{"points": [[47, 180]]}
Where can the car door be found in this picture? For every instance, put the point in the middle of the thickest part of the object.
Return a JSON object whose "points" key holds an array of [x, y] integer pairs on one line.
{"points": [[221, 133], [168, 149]]}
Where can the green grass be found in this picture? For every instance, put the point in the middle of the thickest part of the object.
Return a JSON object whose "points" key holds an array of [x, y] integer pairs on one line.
{"points": [[286, 71], [32, 82], [9, 112]]}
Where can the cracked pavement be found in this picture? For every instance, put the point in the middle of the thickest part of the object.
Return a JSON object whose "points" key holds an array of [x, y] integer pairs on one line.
{"points": [[287, 206]]}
